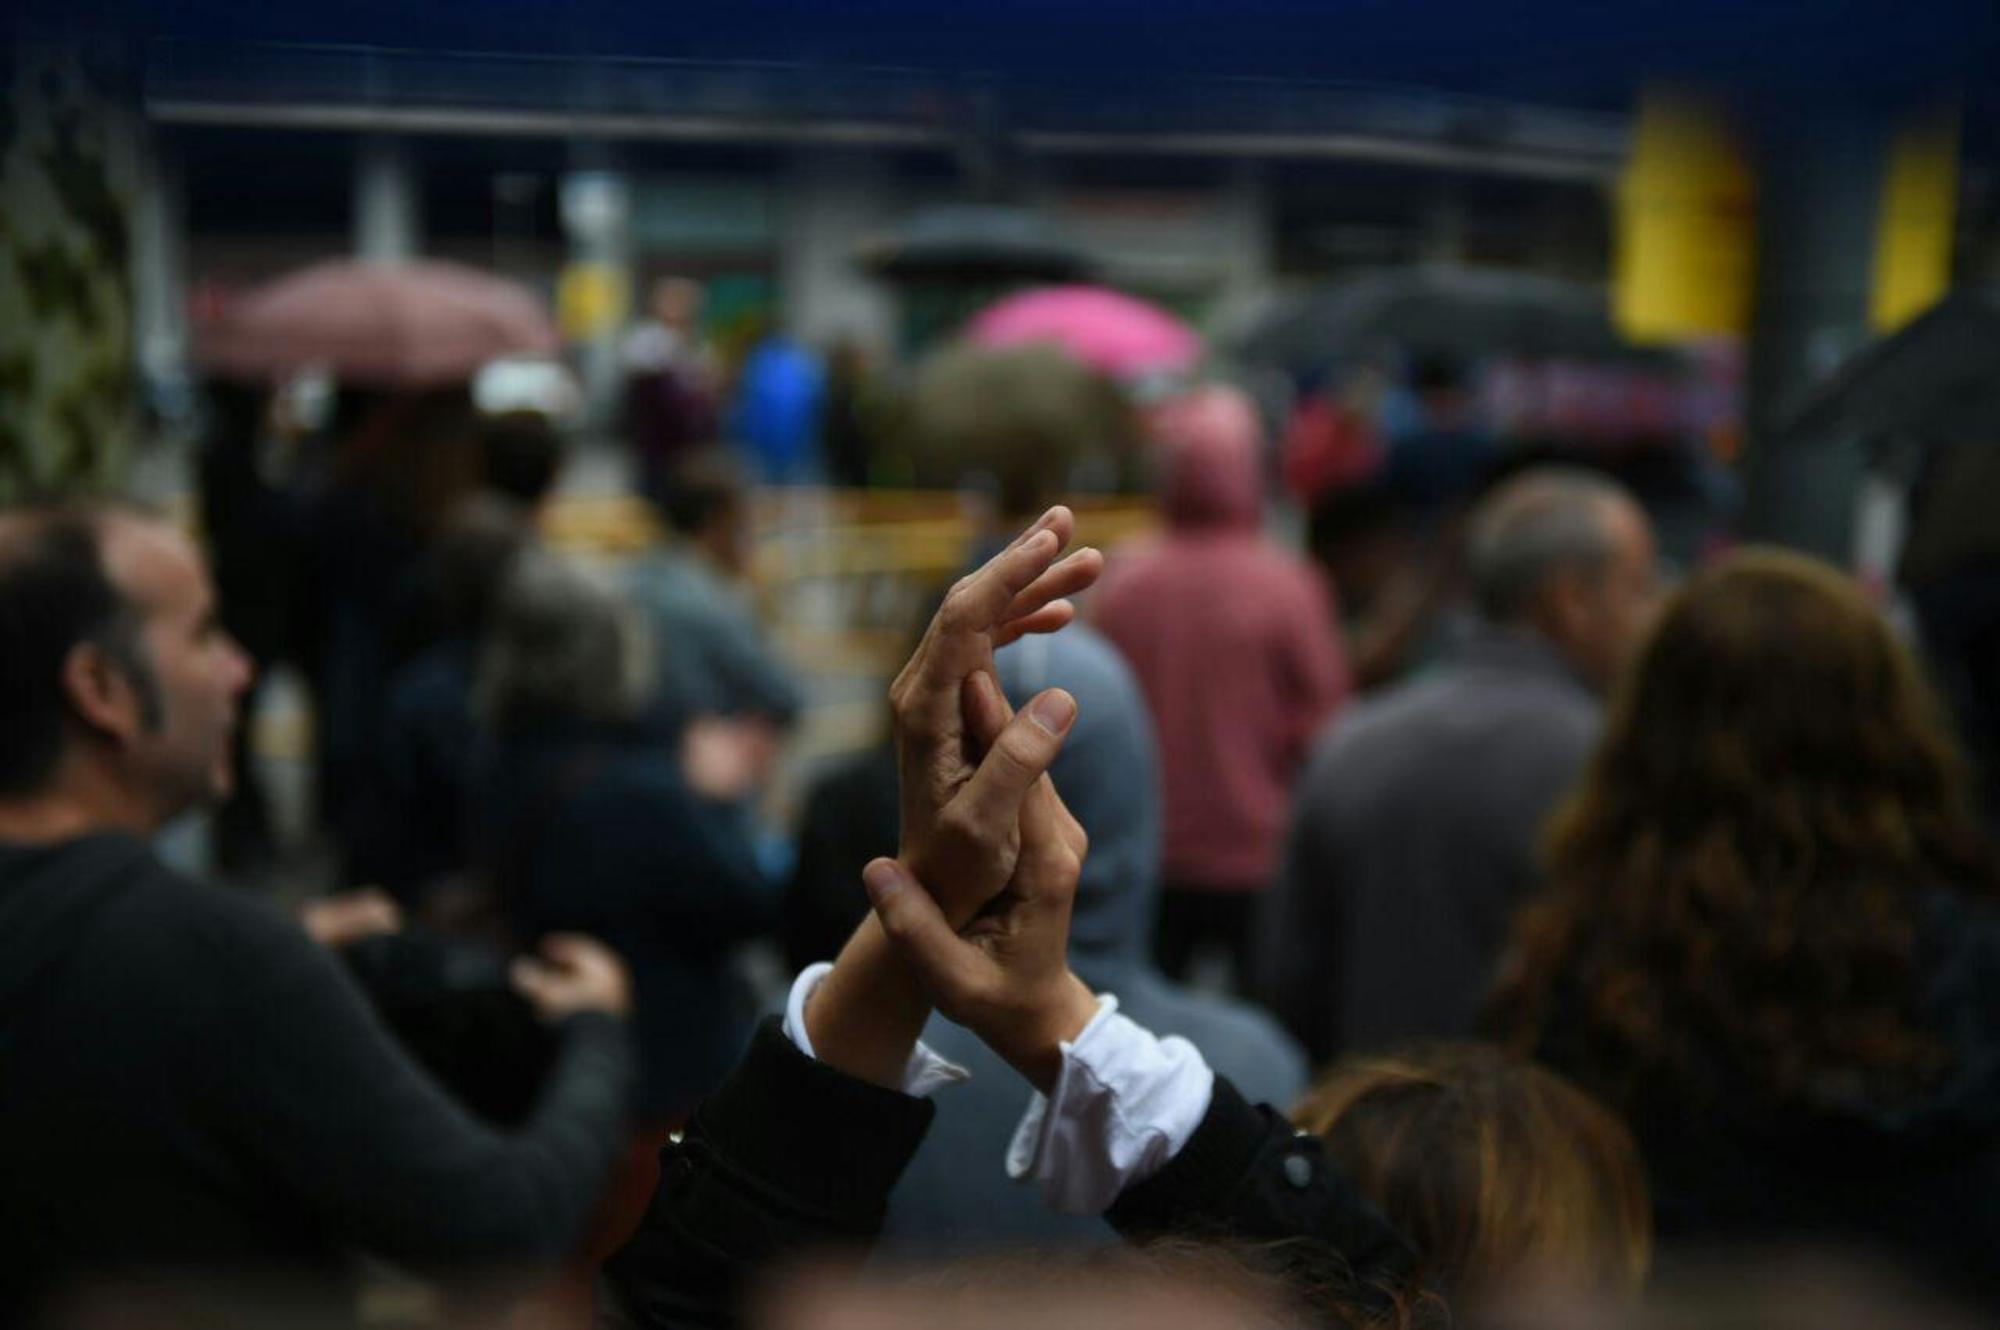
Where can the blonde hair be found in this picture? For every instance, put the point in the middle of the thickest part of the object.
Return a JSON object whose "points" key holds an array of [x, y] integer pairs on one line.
{"points": [[1494, 1168]]}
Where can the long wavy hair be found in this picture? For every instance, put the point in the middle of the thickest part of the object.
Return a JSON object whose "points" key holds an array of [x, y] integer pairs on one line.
{"points": [[1732, 893]]}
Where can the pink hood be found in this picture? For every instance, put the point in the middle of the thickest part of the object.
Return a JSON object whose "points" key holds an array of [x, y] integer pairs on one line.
{"points": [[1212, 452]]}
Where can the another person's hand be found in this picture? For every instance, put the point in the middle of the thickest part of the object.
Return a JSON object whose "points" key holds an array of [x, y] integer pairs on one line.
{"points": [[959, 833], [726, 759], [1005, 976], [346, 917], [573, 974]]}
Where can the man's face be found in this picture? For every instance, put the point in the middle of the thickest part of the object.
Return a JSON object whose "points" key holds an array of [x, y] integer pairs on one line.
{"points": [[199, 670], [1620, 602]]}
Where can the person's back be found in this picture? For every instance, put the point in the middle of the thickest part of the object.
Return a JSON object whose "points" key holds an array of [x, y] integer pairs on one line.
{"points": [[1215, 628], [1234, 643], [955, 1197], [1413, 838], [189, 1082], [849, 818], [593, 829], [586, 822], [413, 817], [1770, 934], [711, 652], [1414, 833]]}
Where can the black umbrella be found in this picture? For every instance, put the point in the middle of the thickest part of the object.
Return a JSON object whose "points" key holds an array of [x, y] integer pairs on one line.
{"points": [[1447, 311], [1935, 381], [976, 242]]}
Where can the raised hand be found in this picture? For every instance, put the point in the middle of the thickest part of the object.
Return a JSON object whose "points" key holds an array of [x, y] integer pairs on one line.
{"points": [[959, 836], [1005, 976], [960, 815]]}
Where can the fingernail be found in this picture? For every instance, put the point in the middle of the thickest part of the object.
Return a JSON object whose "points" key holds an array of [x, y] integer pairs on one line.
{"points": [[1053, 711], [881, 879]]}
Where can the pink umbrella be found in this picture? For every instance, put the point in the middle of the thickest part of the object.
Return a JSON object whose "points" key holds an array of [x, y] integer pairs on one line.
{"points": [[1103, 329], [391, 325]]}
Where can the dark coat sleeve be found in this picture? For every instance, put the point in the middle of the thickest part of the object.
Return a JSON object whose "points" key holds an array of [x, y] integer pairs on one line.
{"points": [[342, 1121], [1248, 1176], [787, 1155], [790, 1155]]}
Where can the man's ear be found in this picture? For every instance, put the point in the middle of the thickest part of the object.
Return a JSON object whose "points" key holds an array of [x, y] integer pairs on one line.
{"points": [[100, 694], [1565, 605]]}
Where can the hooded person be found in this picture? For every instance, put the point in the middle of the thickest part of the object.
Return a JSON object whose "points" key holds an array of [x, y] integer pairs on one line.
{"points": [[955, 1196], [1234, 643]]}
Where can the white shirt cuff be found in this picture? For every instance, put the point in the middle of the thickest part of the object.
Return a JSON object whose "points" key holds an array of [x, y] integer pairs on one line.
{"points": [[1125, 1103], [925, 1072]]}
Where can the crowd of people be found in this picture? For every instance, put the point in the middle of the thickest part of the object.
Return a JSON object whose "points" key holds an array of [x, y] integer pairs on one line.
{"points": [[1242, 972]]}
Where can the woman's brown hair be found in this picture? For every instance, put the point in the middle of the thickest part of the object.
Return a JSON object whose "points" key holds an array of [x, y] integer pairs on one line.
{"points": [[1497, 1170], [1733, 891]]}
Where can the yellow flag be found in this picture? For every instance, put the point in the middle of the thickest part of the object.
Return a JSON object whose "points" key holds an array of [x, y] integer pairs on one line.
{"points": [[590, 300], [1913, 239], [1686, 225]]}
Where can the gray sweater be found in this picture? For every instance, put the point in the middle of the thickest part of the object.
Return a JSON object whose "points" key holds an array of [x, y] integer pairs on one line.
{"points": [[1413, 837]]}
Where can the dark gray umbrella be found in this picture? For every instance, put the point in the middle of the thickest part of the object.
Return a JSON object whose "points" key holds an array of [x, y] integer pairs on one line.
{"points": [[1444, 310], [976, 242], [1935, 381]]}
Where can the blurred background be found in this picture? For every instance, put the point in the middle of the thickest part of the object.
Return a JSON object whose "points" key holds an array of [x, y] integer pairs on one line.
{"points": [[1639, 236], [583, 406]]}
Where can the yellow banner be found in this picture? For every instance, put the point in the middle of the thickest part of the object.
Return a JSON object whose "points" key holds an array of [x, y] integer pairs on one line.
{"points": [[591, 300], [1686, 226], [1913, 239]]}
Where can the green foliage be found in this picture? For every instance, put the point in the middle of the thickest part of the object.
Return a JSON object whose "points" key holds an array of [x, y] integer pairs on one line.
{"points": [[67, 143]]}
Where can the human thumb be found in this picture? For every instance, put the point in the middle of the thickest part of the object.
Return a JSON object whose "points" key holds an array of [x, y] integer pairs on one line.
{"points": [[916, 927]]}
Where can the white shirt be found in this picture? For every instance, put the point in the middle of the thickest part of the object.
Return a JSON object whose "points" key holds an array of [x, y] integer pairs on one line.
{"points": [[1125, 1102]]}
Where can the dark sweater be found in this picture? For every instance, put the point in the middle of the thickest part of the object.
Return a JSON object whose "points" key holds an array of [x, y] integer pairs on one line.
{"points": [[594, 830], [188, 1081], [790, 1157]]}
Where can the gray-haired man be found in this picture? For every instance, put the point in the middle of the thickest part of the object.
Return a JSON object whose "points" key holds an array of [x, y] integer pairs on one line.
{"points": [[1414, 827]]}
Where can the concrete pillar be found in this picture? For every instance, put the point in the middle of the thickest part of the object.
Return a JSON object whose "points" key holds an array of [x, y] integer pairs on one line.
{"points": [[832, 200], [596, 298], [1249, 245], [159, 263], [388, 207], [1819, 181]]}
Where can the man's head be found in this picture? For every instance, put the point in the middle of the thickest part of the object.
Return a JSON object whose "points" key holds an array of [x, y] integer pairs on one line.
{"points": [[115, 672], [677, 301], [707, 502], [560, 648], [1569, 555]]}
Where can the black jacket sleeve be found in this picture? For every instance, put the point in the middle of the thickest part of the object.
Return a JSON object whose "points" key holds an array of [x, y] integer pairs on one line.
{"points": [[1248, 1176], [787, 1155], [318, 1093]]}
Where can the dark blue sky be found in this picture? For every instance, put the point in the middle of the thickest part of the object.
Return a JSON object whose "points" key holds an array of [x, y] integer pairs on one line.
{"points": [[1594, 54], [1580, 53]]}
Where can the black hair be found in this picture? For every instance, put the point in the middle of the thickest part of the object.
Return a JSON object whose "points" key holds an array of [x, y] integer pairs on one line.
{"points": [[523, 453], [55, 595], [701, 486], [1438, 373]]}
